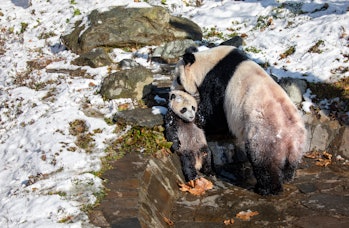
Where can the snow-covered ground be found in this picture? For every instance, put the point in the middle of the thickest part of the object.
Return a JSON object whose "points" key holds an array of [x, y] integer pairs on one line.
{"points": [[45, 178]]}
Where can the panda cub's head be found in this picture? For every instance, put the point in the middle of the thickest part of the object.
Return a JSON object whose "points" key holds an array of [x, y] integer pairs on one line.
{"points": [[183, 105]]}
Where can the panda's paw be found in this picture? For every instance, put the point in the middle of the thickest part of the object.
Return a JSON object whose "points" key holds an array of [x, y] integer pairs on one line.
{"points": [[264, 191]]}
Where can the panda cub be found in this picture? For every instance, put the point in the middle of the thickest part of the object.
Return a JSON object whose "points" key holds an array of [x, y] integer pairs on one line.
{"points": [[189, 141]]}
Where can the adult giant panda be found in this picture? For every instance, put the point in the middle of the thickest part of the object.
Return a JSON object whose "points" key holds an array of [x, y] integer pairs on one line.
{"points": [[236, 92]]}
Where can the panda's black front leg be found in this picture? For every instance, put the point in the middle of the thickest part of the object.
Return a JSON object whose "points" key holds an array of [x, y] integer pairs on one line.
{"points": [[188, 165], [171, 130], [207, 161]]}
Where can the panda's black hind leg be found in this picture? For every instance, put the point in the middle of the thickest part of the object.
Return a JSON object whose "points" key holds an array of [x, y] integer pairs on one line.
{"points": [[269, 180], [188, 160], [268, 174], [289, 171], [207, 161]]}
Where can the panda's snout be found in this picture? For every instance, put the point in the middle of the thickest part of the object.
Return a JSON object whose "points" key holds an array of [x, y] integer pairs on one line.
{"points": [[190, 116]]}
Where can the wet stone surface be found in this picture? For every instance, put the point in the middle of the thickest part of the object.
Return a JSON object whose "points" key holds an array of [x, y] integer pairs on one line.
{"points": [[143, 192]]}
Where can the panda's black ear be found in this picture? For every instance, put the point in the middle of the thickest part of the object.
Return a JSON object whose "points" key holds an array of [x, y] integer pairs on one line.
{"points": [[173, 96], [188, 58], [191, 50]]}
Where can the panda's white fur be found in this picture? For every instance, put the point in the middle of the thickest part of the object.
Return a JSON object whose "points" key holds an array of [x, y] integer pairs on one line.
{"points": [[255, 108], [189, 141]]}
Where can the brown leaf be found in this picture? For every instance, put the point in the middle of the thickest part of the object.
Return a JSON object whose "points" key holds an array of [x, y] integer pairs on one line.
{"points": [[228, 222], [246, 215], [168, 221], [327, 155], [323, 162], [196, 187], [312, 154]]}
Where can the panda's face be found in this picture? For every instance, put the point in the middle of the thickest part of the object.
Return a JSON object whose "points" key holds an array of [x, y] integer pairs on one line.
{"points": [[193, 68], [177, 84], [183, 105], [186, 74]]}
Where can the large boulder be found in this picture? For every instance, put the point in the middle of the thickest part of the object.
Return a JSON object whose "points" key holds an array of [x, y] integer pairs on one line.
{"points": [[132, 83], [294, 87], [171, 51], [129, 27]]}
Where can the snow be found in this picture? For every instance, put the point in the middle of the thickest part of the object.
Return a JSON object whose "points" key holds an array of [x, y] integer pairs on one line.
{"points": [[156, 110], [46, 183]]}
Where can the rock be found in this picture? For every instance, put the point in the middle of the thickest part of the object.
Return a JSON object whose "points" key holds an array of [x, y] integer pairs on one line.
{"points": [[334, 203], [142, 192], [295, 88], [129, 27], [160, 190], [344, 142], [171, 51], [236, 41], [95, 58], [320, 132], [307, 188], [322, 221], [139, 117], [320, 138], [128, 64], [133, 83]]}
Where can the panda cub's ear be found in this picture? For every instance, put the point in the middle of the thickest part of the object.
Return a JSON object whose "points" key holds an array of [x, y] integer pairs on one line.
{"points": [[173, 96]]}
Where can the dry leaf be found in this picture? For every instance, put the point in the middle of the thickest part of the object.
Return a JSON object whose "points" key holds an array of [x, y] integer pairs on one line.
{"points": [[323, 162], [312, 154], [327, 155], [229, 222], [203, 183], [246, 215], [197, 191], [168, 221], [91, 84], [123, 107], [196, 187]]}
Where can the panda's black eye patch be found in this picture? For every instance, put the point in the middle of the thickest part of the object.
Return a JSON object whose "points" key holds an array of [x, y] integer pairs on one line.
{"points": [[179, 81], [193, 108], [183, 110]]}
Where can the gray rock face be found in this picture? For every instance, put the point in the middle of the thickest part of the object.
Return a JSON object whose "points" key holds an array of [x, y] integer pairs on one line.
{"points": [[133, 83], [236, 41], [295, 88], [139, 117], [326, 134], [171, 51], [344, 143], [128, 64], [95, 58], [130, 27]]}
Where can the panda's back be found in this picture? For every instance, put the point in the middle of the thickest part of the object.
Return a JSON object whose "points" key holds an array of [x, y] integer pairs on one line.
{"points": [[259, 109]]}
